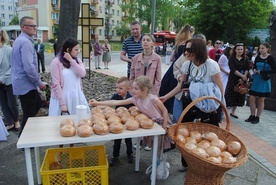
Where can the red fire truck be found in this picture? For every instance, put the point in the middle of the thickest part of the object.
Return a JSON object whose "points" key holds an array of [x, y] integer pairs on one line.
{"points": [[162, 37]]}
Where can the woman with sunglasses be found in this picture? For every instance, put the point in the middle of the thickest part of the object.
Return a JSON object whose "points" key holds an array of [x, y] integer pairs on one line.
{"points": [[198, 68], [239, 66]]}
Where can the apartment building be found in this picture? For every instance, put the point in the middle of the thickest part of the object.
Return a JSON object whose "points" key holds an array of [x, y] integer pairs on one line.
{"points": [[8, 10], [46, 13]]}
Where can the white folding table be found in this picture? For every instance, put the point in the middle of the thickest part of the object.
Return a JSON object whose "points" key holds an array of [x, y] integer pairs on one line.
{"points": [[44, 131]]}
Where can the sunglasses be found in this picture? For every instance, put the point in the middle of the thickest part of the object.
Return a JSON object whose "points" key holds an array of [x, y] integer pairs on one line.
{"points": [[218, 42], [189, 50]]}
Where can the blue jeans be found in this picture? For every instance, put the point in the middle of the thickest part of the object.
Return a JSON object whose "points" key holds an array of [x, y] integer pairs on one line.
{"points": [[177, 109]]}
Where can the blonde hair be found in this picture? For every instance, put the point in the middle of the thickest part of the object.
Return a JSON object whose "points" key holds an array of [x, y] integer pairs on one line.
{"points": [[123, 79], [144, 83], [5, 37], [185, 34]]}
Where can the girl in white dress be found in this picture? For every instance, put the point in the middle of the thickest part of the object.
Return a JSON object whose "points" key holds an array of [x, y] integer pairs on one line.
{"points": [[223, 65], [66, 73]]}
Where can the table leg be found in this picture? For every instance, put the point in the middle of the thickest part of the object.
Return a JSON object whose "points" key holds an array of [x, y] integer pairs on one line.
{"points": [[137, 156], [37, 162], [28, 158], [154, 159]]}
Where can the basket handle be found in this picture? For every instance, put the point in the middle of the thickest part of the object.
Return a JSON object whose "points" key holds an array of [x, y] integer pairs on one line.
{"points": [[198, 100]]}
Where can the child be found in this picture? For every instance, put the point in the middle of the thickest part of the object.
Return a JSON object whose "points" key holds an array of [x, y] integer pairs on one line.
{"points": [[122, 88], [146, 102]]}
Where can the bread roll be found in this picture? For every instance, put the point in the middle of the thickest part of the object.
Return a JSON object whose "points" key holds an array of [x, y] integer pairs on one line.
{"points": [[132, 124], [141, 116], [126, 117], [121, 110], [96, 110], [109, 114], [132, 108], [85, 122], [67, 131], [116, 127], [97, 116], [101, 128], [85, 131], [67, 122], [113, 119], [135, 112], [146, 123]]}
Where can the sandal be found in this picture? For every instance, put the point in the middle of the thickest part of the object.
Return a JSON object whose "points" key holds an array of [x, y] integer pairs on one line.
{"points": [[234, 116], [10, 127]]}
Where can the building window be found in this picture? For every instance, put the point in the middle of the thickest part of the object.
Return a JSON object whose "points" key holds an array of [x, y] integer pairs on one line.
{"points": [[3, 24], [118, 13], [55, 2], [54, 15], [100, 32], [113, 12], [112, 32], [112, 22], [2, 7], [10, 16], [2, 16], [118, 2], [10, 1], [10, 8], [118, 23]]}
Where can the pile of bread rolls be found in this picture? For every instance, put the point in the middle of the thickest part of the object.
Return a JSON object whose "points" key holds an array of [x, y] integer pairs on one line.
{"points": [[209, 146], [106, 119]]}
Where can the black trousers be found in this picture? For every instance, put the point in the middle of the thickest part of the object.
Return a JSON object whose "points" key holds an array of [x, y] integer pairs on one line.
{"points": [[30, 104], [117, 147], [40, 60]]}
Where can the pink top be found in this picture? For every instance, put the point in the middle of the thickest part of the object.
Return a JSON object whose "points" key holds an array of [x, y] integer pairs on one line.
{"points": [[56, 68], [153, 70], [148, 106]]}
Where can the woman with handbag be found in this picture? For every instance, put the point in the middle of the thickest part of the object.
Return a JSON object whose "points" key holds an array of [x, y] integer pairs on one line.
{"points": [[261, 86], [204, 75], [239, 66]]}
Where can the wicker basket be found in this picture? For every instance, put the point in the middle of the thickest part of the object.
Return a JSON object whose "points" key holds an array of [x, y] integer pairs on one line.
{"points": [[201, 171]]}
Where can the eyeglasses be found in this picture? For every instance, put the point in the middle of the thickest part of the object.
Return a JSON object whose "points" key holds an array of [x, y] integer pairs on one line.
{"points": [[218, 42], [33, 26], [189, 50]]}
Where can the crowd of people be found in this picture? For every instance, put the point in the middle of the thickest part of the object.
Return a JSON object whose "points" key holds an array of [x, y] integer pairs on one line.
{"points": [[197, 67]]}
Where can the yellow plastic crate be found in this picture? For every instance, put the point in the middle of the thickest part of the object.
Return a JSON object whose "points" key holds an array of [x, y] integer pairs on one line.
{"points": [[79, 166]]}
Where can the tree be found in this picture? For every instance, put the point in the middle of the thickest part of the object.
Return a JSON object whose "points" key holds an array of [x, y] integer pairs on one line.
{"points": [[15, 20], [68, 20], [122, 30], [229, 20]]}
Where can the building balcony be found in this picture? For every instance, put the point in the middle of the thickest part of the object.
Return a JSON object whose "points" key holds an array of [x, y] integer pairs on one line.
{"points": [[94, 1], [108, 15], [109, 2], [55, 21], [94, 13], [55, 6]]}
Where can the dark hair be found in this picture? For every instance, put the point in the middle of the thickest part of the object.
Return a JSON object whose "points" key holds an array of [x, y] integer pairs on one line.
{"points": [[267, 45], [234, 51], [226, 51], [67, 44], [198, 48]]}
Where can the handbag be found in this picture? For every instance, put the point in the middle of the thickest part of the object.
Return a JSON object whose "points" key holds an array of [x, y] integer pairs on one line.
{"points": [[241, 88], [162, 168]]}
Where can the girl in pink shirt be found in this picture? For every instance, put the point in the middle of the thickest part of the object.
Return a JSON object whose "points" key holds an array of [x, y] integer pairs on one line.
{"points": [[146, 102]]}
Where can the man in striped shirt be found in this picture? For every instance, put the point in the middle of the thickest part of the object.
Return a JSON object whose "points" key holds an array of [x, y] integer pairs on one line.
{"points": [[132, 45]]}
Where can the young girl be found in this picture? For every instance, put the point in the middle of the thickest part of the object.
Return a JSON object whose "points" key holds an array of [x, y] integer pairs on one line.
{"points": [[147, 63], [66, 73], [264, 65], [146, 102]]}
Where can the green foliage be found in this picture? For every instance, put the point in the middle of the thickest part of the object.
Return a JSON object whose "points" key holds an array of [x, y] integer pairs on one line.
{"points": [[122, 30], [229, 20], [15, 20]]}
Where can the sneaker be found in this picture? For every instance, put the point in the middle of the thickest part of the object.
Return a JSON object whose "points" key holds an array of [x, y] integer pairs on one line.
{"points": [[130, 159], [113, 161], [182, 168], [250, 119], [147, 148], [256, 120], [135, 146]]}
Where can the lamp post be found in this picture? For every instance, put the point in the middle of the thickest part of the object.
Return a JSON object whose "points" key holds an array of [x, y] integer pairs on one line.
{"points": [[152, 16]]}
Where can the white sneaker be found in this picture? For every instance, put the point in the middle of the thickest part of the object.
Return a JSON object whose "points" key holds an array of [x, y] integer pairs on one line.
{"points": [[135, 146], [147, 148]]}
